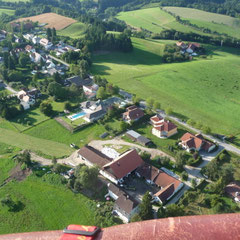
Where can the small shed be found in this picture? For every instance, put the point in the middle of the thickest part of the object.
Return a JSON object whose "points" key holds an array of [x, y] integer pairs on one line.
{"points": [[133, 135], [144, 141]]}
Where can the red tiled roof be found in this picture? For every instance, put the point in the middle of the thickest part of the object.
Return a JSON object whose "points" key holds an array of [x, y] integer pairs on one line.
{"points": [[94, 156], [156, 118], [165, 193], [166, 126], [163, 180], [196, 141], [124, 164]]}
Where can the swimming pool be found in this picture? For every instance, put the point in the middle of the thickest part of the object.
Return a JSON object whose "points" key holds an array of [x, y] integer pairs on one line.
{"points": [[77, 115]]}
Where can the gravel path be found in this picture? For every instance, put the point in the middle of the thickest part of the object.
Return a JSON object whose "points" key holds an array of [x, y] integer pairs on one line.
{"points": [[98, 144]]}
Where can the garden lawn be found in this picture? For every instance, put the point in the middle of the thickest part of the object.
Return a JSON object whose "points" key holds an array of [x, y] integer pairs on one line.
{"points": [[154, 20], [24, 121], [75, 30], [52, 130], [35, 144], [46, 206], [205, 90], [162, 144]]}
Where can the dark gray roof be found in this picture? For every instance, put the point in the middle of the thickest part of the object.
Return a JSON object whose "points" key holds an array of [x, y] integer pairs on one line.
{"points": [[143, 140], [79, 81]]}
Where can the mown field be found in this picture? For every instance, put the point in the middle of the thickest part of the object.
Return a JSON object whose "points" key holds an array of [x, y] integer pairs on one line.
{"points": [[52, 20], [206, 90], [215, 22], [36, 144], [7, 11], [44, 205], [154, 20], [53, 131], [75, 30]]}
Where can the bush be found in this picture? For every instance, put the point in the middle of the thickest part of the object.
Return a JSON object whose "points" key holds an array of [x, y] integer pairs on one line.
{"points": [[184, 176]]}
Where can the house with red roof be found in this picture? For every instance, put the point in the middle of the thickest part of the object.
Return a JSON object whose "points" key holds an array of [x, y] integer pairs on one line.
{"points": [[162, 128], [133, 113], [122, 166], [169, 185], [196, 142], [112, 169]]}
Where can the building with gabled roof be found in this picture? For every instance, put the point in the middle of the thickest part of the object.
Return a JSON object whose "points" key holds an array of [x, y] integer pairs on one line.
{"points": [[164, 129], [133, 113], [196, 142], [122, 166]]}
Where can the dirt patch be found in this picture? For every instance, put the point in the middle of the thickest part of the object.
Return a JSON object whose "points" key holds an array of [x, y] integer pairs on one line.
{"points": [[18, 174], [52, 20]]}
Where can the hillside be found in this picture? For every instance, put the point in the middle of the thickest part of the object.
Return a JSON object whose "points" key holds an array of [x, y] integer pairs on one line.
{"points": [[154, 20], [75, 30], [178, 84], [215, 22]]}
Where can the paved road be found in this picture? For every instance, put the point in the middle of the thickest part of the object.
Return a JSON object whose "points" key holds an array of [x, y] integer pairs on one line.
{"points": [[59, 60], [222, 144], [4, 85]]}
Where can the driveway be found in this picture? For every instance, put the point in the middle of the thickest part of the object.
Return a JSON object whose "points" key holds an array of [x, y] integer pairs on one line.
{"points": [[4, 85], [98, 144]]}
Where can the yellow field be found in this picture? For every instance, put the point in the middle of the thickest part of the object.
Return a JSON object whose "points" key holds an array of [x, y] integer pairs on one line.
{"points": [[52, 20]]}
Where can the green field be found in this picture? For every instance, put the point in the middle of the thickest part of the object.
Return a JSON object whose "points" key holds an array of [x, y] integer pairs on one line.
{"points": [[7, 11], [76, 30], [24, 141], [154, 20], [215, 22], [24, 121], [205, 90], [51, 130], [44, 206]]}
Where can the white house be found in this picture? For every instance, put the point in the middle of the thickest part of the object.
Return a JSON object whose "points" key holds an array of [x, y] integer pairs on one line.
{"points": [[45, 43]]}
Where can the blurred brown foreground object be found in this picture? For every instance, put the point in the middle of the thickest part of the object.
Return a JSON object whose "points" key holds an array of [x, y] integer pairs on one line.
{"points": [[214, 227]]}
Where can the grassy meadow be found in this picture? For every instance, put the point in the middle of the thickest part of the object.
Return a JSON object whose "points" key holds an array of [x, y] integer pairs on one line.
{"points": [[154, 20], [75, 30], [206, 90], [54, 132], [7, 11], [36, 144], [215, 22], [44, 206]]}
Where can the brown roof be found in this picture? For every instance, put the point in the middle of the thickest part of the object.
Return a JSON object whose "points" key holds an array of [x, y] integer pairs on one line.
{"points": [[165, 193], [166, 126], [163, 180], [147, 171], [114, 189], [94, 156], [192, 141], [134, 113], [196, 141], [124, 164], [156, 118], [232, 188], [126, 203]]}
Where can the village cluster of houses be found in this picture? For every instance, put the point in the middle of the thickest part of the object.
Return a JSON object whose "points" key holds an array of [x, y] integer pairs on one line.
{"points": [[190, 48], [163, 128], [118, 169]]}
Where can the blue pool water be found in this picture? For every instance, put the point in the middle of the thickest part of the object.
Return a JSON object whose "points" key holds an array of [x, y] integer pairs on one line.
{"points": [[78, 115]]}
